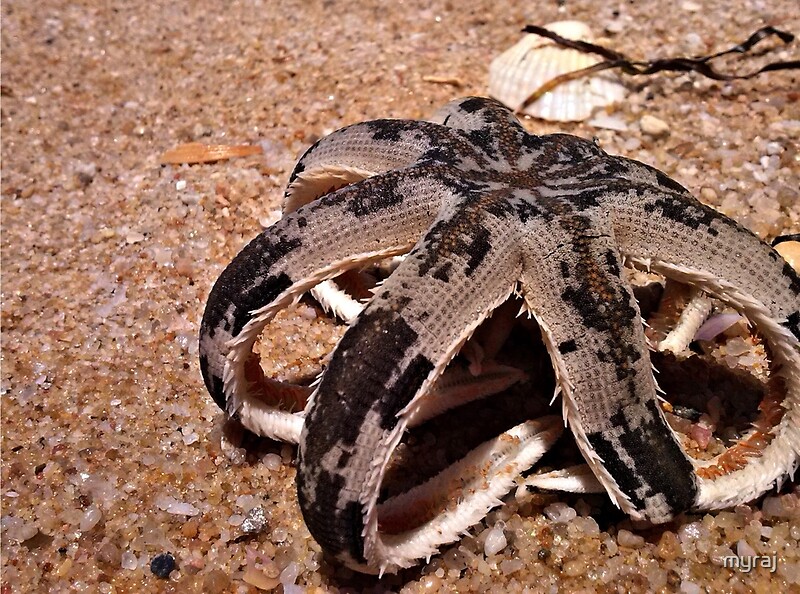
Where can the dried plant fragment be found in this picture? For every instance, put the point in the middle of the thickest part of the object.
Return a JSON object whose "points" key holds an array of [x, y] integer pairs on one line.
{"points": [[197, 152], [444, 80]]}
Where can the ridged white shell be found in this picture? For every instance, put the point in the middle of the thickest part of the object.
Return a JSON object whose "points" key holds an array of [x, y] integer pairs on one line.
{"points": [[516, 73]]}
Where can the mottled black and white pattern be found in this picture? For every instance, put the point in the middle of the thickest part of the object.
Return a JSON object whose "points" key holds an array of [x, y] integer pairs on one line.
{"points": [[486, 208]]}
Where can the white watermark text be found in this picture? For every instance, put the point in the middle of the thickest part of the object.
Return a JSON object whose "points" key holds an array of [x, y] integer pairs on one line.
{"points": [[746, 563]]}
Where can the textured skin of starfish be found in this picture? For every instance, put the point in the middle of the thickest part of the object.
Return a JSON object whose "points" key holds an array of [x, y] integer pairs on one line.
{"points": [[483, 209]]}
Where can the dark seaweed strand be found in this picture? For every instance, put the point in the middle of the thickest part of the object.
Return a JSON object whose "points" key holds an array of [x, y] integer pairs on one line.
{"points": [[616, 60]]}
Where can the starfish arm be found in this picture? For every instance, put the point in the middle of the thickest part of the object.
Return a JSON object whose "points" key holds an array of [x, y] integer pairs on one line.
{"points": [[337, 301], [378, 217], [458, 386], [352, 154], [680, 314], [575, 479], [657, 219], [377, 378], [694, 313], [590, 321], [360, 151], [482, 116], [659, 224]]}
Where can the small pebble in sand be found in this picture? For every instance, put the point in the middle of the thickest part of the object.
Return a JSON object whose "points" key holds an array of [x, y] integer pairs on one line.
{"points": [[254, 521], [688, 587], [216, 581], [289, 575], [109, 554], [272, 461], [653, 126], [626, 538], [495, 541], [128, 561], [162, 565], [708, 195], [560, 512]]}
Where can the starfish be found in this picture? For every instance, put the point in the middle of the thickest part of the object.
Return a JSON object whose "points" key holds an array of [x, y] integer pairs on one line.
{"points": [[484, 210]]}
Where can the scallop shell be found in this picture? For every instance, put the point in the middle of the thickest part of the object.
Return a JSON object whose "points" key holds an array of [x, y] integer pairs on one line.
{"points": [[516, 73]]}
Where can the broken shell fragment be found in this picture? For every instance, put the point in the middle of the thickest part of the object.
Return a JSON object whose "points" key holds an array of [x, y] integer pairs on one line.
{"points": [[716, 325], [515, 74], [790, 251]]}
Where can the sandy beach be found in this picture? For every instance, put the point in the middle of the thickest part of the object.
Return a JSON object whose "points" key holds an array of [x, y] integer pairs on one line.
{"points": [[112, 450]]}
